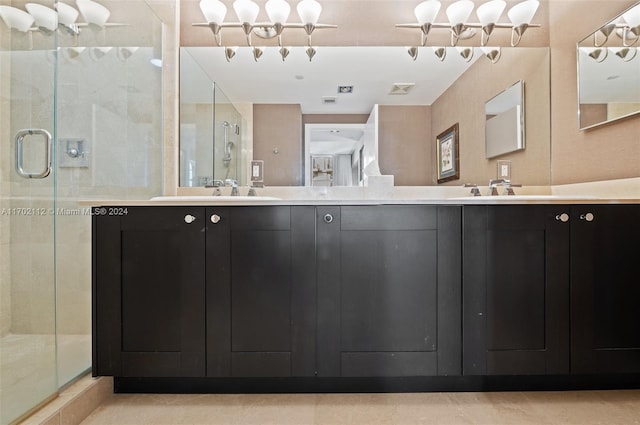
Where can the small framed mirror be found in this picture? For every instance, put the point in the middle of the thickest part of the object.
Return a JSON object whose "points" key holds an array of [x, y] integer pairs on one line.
{"points": [[609, 71], [504, 122]]}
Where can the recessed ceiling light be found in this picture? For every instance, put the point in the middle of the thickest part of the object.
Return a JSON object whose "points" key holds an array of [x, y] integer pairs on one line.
{"points": [[345, 89], [299, 77]]}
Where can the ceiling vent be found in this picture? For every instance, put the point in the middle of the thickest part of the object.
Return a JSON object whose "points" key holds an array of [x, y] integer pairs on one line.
{"points": [[329, 100], [401, 88]]}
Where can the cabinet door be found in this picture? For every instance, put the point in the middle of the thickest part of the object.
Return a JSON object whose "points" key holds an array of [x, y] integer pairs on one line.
{"points": [[516, 290], [149, 292], [261, 291], [605, 289], [388, 291]]}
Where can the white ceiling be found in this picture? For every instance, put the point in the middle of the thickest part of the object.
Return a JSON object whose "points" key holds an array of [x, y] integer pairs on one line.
{"points": [[371, 71]]}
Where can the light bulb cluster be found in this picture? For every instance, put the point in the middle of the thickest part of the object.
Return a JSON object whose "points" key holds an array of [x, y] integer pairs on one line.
{"points": [[46, 20], [488, 14], [247, 12]]}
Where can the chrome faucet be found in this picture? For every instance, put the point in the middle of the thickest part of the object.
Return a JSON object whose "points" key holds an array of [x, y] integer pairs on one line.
{"points": [[216, 184], [234, 186], [494, 183]]}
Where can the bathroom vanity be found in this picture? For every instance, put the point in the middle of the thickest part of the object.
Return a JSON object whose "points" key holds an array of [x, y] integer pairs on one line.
{"points": [[366, 296]]}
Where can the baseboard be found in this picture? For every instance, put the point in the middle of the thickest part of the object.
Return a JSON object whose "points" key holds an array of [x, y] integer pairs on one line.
{"points": [[74, 403]]}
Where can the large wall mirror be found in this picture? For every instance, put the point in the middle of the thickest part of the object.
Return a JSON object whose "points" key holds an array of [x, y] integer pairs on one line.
{"points": [[609, 71], [453, 90], [504, 127]]}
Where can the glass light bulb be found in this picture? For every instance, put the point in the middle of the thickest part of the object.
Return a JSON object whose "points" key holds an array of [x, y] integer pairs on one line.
{"points": [[522, 13], [67, 15], [246, 10], [93, 13], [44, 16], [427, 11], [213, 11], [489, 13], [15, 18], [309, 11], [278, 11], [459, 12]]}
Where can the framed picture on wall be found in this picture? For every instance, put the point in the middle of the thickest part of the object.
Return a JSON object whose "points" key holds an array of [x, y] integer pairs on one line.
{"points": [[447, 154]]}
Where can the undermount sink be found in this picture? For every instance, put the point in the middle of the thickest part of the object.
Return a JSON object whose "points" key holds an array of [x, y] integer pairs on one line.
{"points": [[520, 198], [210, 198]]}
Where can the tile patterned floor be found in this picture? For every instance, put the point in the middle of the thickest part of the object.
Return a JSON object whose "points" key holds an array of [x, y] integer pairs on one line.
{"points": [[508, 408]]}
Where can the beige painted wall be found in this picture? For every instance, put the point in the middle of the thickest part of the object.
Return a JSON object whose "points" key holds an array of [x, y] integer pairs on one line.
{"points": [[277, 140], [334, 118], [464, 103], [602, 153], [404, 148]]}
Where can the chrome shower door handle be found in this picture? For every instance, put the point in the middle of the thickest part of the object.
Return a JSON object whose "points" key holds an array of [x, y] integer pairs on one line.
{"points": [[19, 154]]}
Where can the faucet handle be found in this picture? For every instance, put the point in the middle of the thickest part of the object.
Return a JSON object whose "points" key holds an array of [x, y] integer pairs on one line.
{"points": [[252, 191], [474, 188]]}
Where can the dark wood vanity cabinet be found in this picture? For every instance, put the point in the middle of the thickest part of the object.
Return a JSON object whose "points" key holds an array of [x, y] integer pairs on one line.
{"points": [[388, 290], [605, 289], [149, 291], [516, 290], [551, 289], [260, 298], [365, 291]]}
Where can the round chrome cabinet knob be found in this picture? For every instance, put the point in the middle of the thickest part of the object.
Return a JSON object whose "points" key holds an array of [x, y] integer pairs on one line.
{"points": [[588, 216], [189, 219], [215, 218], [328, 218], [564, 217]]}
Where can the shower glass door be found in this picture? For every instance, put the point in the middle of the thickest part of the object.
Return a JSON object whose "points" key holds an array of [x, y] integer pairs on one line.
{"points": [[27, 212]]}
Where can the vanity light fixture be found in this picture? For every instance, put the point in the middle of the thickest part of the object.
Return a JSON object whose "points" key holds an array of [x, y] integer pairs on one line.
{"points": [[67, 16], [278, 12], [94, 13], [488, 13]]}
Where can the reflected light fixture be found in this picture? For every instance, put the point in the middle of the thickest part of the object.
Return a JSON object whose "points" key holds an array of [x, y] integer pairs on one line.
{"points": [[625, 53], [440, 52], [97, 53], [257, 53], [46, 19], [466, 53], [278, 12], [458, 13], [632, 28], [492, 53], [284, 52], [311, 52], [230, 52], [16, 19], [598, 54], [92, 12], [124, 53], [413, 52], [606, 31], [67, 16]]}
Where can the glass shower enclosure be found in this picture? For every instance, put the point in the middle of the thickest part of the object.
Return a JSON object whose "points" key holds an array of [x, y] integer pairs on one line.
{"points": [[80, 118]]}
